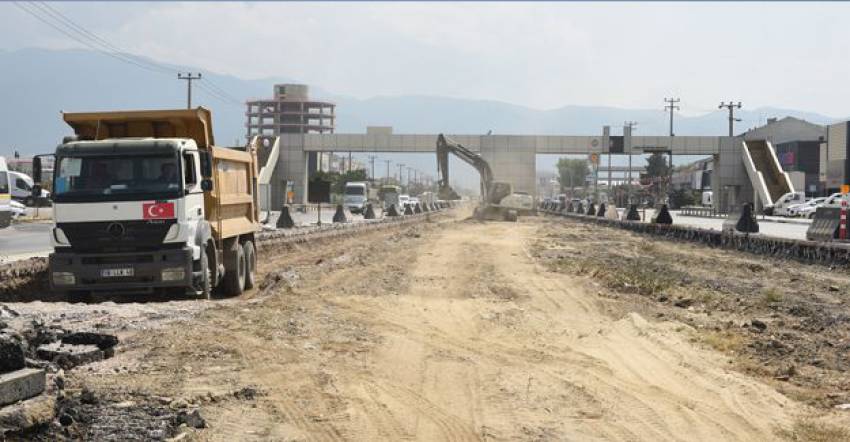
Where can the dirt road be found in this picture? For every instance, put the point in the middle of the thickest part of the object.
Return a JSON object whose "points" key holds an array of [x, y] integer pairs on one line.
{"points": [[450, 331]]}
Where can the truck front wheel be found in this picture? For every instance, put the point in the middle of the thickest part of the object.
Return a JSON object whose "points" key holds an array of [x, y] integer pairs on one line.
{"points": [[235, 269], [204, 288], [250, 263]]}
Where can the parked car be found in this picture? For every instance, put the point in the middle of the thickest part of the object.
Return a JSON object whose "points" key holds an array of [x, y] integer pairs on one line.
{"points": [[807, 209], [781, 206]]}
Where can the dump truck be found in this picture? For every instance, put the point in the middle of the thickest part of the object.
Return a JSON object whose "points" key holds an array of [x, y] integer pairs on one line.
{"points": [[144, 201], [498, 199]]}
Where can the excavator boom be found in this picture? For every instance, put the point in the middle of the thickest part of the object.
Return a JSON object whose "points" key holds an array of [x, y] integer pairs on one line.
{"points": [[446, 146]]}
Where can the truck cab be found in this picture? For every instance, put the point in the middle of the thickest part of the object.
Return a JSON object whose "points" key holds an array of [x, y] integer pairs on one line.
{"points": [[356, 196], [138, 214]]}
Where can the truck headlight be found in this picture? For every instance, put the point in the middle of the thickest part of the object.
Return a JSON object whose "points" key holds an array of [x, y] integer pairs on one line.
{"points": [[173, 274], [63, 278], [173, 232], [60, 237]]}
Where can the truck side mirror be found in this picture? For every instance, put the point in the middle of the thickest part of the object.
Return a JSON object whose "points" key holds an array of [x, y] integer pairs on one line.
{"points": [[36, 169], [36, 192], [206, 185], [36, 178], [206, 166]]}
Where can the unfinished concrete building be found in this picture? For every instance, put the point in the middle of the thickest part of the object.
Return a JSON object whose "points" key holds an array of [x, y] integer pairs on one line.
{"points": [[289, 111]]}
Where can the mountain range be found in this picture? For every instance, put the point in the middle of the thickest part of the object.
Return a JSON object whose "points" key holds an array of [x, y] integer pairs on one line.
{"points": [[40, 83]]}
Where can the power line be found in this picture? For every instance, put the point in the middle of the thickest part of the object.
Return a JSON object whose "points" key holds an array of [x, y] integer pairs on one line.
{"points": [[55, 19]]}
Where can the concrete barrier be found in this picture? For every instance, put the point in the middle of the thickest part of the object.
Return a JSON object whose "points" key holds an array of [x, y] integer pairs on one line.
{"points": [[662, 215], [285, 220], [369, 213], [339, 215], [601, 211], [611, 213], [632, 213], [408, 210], [825, 224], [833, 254], [591, 209], [742, 221]]}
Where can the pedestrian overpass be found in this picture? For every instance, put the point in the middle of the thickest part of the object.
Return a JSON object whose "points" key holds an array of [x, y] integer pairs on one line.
{"points": [[512, 157]]}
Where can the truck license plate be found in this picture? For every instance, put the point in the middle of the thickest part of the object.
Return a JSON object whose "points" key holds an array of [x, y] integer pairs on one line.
{"points": [[116, 273]]}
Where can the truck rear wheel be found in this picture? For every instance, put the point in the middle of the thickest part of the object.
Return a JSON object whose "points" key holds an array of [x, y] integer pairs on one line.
{"points": [[250, 263], [234, 273]]}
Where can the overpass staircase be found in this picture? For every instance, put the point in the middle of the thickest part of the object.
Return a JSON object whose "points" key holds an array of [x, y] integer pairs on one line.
{"points": [[766, 175]]}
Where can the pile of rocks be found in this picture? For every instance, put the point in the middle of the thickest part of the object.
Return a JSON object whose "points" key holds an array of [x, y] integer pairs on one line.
{"points": [[27, 357]]}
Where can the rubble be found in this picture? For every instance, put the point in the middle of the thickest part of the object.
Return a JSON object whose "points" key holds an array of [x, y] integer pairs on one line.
{"points": [[21, 384]]}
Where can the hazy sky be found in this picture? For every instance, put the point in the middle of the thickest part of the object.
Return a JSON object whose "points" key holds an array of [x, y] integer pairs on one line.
{"points": [[543, 55]]}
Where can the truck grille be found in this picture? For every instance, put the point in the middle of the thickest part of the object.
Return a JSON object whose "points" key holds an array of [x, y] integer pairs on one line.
{"points": [[116, 236]]}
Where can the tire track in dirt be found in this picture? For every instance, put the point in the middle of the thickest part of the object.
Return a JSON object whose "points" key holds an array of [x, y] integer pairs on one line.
{"points": [[641, 381]]}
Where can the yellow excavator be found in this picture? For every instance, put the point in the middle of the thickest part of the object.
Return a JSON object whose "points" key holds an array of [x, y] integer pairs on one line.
{"points": [[498, 200]]}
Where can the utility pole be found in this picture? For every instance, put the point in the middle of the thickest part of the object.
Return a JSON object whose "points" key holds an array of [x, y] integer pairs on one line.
{"points": [[388, 170], [189, 77], [632, 125], [671, 106], [731, 107], [372, 165], [400, 176], [349, 161]]}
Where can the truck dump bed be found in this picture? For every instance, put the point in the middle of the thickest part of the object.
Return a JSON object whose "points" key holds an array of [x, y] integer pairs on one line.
{"points": [[231, 207]]}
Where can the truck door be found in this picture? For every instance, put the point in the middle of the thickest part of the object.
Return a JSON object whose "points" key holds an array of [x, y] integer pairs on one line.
{"points": [[194, 199]]}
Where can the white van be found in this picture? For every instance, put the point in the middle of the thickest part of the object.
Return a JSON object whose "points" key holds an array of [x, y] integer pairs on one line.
{"points": [[21, 189], [5, 196]]}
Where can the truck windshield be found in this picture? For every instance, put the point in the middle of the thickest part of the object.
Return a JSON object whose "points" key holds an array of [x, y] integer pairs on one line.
{"points": [[4, 182], [97, 178], [355, 190]]}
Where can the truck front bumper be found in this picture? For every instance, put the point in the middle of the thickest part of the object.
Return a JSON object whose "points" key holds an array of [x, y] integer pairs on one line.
{"points": [[132, 271]]}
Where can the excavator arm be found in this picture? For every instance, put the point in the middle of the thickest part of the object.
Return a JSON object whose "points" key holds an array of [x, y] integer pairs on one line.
{"points": [[446, 146]]}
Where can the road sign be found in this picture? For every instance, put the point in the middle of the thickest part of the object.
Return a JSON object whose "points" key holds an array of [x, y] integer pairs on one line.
{"points": [[845, 189], [594, 158]]}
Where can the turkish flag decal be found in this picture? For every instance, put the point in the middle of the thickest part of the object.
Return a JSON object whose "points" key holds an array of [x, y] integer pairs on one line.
{"points": [[158, 210]]}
